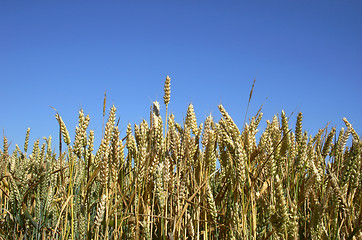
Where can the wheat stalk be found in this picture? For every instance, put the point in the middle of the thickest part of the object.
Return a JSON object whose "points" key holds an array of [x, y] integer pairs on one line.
{"points": [[207, 181]]}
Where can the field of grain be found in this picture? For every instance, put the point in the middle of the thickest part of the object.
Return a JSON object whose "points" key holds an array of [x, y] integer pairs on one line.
{"points": [[169, 180]]}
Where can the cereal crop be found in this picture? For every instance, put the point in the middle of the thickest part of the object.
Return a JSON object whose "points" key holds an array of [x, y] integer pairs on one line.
{"points": [[162, 179]]}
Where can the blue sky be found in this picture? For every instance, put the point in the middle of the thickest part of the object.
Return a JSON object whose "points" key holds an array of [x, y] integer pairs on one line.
{"points": [[305, 56]]}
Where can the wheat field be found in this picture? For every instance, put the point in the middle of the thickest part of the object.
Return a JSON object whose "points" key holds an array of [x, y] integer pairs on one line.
{"points": [[167, 180]]}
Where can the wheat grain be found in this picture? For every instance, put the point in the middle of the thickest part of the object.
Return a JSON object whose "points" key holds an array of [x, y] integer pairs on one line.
{"points": [[351, 129], [63, 129], [26, 140], [328, 142], [167, 90], [298, 128], [100, 211], [191, 119], [211, 203], [233, 127]]}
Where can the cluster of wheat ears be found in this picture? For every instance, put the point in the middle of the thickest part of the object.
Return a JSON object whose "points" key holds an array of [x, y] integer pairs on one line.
{"points": [[165, 180]]}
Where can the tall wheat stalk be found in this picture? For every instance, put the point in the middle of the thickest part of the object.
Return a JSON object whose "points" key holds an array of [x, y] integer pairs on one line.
{"points": [[169, 180]]}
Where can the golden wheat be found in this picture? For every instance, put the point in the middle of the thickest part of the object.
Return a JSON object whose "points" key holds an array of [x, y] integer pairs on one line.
{"points": [[207, 181]]}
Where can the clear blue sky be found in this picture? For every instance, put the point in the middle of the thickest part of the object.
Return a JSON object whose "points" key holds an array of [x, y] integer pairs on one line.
{"points": [[305, 55]]}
